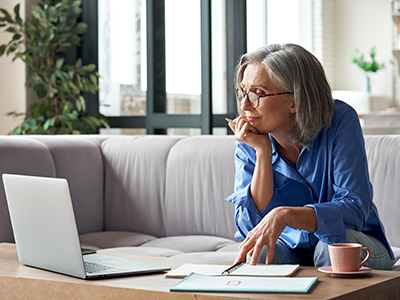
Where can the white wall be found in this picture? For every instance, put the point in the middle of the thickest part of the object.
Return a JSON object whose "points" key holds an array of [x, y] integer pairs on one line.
{"points": [[363, 24], [12, 79]]}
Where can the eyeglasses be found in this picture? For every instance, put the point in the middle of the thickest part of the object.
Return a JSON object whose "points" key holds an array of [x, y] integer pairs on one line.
{"points": [[253, 97]]}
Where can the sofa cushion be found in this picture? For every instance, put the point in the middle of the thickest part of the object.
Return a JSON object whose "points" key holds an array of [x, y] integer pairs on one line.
{"points": [[210, 256], [234, 247], [396, 252], [200, 175], [190, 243], [80, 161], [109, 239], [147, 251], [384, 167], [135, 169], [21, 155]]}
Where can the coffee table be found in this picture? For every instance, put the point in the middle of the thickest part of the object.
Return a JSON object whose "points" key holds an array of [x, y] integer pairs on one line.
{"points": [[21, 282]]}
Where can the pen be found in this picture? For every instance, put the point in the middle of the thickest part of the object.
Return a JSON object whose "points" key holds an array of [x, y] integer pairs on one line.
{"points": [[230, 121], [232, 268]]}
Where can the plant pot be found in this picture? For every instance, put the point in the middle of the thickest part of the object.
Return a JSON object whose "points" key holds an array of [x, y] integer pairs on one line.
{"points": [[367, 84]]}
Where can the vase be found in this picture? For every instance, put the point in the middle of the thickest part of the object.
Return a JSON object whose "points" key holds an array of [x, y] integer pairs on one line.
{"points": [[367, 84]]}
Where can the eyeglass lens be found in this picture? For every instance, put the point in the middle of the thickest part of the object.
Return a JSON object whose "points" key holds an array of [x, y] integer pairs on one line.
{"points": [[253, 97]]}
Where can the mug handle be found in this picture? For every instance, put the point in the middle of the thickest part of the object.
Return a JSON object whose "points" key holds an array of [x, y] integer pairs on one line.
{"points": [[366, 258]]}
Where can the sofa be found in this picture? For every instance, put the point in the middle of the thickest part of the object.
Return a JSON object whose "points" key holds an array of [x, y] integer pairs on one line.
{"points": [[164, 195]]}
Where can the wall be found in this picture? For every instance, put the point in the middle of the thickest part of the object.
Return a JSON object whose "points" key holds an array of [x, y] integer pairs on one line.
{"points": [[12, 78], [363, 24]]}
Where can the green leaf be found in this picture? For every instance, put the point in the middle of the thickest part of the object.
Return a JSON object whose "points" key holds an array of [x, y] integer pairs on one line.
{"points": [[46, 124], [93, 78], [73, 116], [81, 28], [2, 49], [16, 36], [36, 13], [65, 85], [3, 25], [78, 63], [12, 30], [17, 130], [90, 67], [18, 19], [59, 63], [40, 90], [78, 105], [12, 48], [7, 16], [83, 103]]}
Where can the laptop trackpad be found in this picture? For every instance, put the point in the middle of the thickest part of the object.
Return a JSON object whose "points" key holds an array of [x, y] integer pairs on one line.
{"points": [[126, 265]]}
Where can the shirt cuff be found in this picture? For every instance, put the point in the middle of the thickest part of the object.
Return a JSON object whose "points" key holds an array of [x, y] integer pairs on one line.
{"points": [[243, 198], [330, 226]]}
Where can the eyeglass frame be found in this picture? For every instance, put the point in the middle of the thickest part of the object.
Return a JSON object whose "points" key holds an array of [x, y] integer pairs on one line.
{"points": [[246, 94]]}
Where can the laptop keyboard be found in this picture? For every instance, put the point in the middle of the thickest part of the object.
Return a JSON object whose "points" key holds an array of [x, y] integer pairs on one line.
{"points": [[92, 267]]}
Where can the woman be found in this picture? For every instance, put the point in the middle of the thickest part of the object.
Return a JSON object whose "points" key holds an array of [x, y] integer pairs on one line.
{"points": [[302, 178]]}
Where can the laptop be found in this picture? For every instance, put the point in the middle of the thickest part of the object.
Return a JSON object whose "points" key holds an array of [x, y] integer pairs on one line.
{"points": [[46, 236]]}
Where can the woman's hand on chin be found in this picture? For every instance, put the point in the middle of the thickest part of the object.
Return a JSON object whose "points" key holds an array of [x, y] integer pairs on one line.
{"points": [[248, 134]]}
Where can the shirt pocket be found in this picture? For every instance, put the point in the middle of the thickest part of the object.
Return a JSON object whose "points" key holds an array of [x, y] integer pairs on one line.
{"points": [[293, 193]]}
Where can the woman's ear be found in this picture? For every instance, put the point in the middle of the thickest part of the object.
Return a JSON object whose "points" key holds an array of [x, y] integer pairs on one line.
{"points": [[292, 108]]}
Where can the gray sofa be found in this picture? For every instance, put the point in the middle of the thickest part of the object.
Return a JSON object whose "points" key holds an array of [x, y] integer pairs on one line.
{"points": [[164, 195]]}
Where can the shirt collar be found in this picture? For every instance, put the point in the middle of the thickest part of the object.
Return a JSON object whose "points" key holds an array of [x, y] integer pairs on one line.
{"points": [[274, 152], [283, 167]]}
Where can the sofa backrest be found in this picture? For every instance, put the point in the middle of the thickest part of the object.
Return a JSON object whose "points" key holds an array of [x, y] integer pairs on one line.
{"points": [[383, 154], [169, 185], [78, 159], [200, 175], [135, 182], [164, 185]]}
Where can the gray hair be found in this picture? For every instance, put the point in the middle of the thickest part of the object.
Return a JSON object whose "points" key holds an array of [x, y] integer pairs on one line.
{"points": [[295, 70]]}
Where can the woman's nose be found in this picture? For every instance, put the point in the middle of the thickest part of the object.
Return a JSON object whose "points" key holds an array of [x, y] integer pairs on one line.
{"points": [[245, 104]]}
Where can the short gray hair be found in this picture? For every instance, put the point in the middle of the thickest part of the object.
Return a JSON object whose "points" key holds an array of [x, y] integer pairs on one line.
{"points": [[295, 70]]}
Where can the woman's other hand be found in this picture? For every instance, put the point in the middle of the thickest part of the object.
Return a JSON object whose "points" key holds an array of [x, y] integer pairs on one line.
{"points": [[266, 233]]}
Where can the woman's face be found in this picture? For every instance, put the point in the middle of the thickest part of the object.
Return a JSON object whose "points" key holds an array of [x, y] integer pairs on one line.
{"points": [[274, 114]]}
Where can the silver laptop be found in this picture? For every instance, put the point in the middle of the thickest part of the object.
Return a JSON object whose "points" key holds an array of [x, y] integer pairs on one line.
{"points": [[46, 236]]}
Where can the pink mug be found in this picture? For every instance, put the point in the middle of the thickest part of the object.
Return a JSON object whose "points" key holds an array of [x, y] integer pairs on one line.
{"points": [[345, 257]]}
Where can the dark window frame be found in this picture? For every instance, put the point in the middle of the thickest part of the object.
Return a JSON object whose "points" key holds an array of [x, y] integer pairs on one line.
{"points": [[157, 120]]}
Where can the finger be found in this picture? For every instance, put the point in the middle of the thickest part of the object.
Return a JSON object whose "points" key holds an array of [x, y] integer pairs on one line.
{"points": [[256, 253], [270, 254], [243, 130], [250, 253], [232, 127], [248, 128], [241, 257]]}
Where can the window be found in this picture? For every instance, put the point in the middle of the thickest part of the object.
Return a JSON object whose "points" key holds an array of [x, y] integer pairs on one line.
{"points": [[167, 66], [279, 21], [122, 57]]}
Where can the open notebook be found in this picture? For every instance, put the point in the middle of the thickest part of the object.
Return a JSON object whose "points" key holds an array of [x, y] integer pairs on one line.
{"points": [[244, 270]]}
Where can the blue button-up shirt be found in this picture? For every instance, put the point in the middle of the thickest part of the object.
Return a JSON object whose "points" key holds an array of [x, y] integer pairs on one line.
{"points": [[331, 176]]}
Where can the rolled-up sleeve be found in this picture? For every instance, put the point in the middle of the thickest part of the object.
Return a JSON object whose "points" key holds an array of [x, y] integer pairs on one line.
{"points": [[247, 215]]}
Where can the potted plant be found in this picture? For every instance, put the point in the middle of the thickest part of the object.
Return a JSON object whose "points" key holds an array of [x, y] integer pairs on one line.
{"points": [[40, 42], [367, 66]]}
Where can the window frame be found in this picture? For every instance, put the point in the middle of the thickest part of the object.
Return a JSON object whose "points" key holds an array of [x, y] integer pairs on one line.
{"points": [[156, 120]]}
